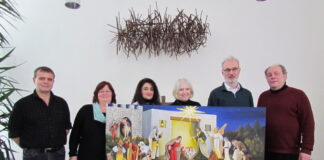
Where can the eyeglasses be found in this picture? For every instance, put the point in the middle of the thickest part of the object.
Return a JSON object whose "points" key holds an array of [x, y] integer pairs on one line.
{"points": [[227, 70], [104, 91]]}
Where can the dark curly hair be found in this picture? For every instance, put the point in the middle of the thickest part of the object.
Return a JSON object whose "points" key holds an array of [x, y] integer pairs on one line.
{"points": [[138, 93]]}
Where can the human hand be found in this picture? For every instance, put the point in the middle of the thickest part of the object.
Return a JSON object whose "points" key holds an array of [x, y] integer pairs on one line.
{"points": [[304, 156], [16, 140], [74, 158]]}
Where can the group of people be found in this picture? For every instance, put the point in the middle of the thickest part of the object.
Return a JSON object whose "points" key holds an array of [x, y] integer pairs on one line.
{"points": [[40, 122]]}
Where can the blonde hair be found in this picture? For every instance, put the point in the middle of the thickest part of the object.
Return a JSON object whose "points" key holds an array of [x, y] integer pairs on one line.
{"points": [[177, 86]]}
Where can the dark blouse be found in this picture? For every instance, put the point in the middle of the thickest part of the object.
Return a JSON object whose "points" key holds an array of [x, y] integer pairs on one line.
{"points": [[87, 139], [185, 103], [147, 102]]}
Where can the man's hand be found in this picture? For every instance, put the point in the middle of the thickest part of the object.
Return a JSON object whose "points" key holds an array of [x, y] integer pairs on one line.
{"points": [[74, 158], [304, 156], [16, 140], [67, 131]]}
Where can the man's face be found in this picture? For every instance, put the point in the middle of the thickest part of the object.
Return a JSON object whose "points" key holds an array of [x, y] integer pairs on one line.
{"points": [[275, 77], [231, 71], [44, 81]]}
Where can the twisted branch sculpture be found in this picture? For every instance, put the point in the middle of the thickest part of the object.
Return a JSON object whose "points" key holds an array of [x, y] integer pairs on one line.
{"points": [[156, 33]]}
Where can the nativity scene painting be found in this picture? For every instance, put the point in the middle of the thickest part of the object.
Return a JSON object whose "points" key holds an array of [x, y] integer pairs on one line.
{"points": [[155, 132]]}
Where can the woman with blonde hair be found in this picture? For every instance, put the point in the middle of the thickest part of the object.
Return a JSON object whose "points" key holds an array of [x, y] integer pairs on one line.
{"points": [[182, 92]]}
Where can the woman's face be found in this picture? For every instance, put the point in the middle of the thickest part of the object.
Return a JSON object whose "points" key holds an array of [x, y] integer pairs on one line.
{"points": [[105, 95], [147, 91], [184, 92]]}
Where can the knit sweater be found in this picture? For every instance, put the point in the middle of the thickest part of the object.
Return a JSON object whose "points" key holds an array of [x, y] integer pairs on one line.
{"points": [[289, 121]]}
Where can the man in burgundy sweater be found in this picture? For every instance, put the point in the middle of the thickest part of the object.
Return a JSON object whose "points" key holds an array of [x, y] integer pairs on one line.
{"points": [[290, 122]]}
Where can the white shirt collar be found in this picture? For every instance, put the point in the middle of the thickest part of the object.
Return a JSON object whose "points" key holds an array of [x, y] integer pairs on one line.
{"points": [[233, 90]]}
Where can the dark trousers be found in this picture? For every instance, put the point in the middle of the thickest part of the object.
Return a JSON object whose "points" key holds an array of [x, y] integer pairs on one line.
{"points": [[280, 156], [39, 154]]}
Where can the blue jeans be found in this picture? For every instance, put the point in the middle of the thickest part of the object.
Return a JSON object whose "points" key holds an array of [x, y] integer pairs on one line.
{"points": [[37, 154]]}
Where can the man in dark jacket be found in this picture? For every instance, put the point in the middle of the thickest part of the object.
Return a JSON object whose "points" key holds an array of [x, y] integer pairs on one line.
{"points": [[231, 92]]}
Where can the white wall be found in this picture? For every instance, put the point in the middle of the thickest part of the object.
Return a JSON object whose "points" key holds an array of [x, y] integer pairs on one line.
{"points": [[76, 44]]}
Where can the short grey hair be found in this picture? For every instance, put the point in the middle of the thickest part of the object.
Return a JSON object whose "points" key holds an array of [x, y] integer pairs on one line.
{"points": [[177, 86], [231, 58], [283, 69]]}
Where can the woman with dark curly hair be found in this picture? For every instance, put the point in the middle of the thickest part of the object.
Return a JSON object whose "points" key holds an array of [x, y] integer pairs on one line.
{"points": [[146, 93]]}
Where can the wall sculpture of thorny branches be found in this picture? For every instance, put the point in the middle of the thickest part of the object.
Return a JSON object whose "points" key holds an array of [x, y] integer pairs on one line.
{"points": [[158, 33]]}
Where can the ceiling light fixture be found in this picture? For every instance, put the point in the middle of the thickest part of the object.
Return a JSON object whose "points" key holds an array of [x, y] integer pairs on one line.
{"points": [[72, 4]]}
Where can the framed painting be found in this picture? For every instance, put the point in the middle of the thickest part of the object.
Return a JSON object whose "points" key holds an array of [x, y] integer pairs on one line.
{"points": [[149, 132]]}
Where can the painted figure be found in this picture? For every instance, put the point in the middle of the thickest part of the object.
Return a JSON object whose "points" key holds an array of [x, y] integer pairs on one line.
{"points": [[218, 144], [204, 142], [240, 150], [154, 138], [126, 128], [212, 156], [200, 137], [190, 153], [144, 151], [227, 146], [119, 150], [218, 141], [173, 149], [207, 148], [238, 154], [114, 129], [132, 149]]}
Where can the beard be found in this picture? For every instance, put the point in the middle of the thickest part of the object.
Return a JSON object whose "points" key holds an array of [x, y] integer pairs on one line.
{"points": [[231, 81]]}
